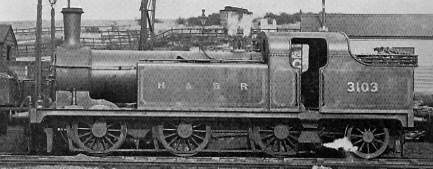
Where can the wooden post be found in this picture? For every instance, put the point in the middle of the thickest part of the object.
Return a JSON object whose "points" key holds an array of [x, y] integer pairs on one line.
{"points": [[143, 22], [38, 53]]}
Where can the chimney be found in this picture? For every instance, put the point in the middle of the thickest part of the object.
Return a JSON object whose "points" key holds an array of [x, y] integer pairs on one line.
{"points": [[72, 26]]}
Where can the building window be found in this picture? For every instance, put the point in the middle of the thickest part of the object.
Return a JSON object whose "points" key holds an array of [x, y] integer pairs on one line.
{"points": [[8, 52]]}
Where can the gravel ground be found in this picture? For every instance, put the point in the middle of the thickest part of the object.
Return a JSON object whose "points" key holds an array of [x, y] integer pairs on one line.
{"points": [[418, 150]]}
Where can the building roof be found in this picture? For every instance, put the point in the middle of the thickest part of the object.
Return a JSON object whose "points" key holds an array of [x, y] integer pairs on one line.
{"points": [[372, 25], [4, 30], [236, 9]]}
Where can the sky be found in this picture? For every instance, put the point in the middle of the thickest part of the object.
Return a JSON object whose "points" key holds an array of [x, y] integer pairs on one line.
{"points": [[18, 10]]}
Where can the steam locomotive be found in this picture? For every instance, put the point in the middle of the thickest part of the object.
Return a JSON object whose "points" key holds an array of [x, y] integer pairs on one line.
{"points": [[296, 91]]}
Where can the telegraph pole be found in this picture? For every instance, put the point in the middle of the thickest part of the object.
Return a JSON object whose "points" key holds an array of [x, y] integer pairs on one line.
{"points": [[147, 23], [144, 34], [53, 28], [38, 52]]}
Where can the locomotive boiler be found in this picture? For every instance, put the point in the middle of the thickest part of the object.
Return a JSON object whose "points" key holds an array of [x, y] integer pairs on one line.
{"points": [[192, 102]]}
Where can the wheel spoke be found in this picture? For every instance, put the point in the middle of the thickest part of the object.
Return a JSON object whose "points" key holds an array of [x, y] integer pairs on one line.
{"points": [[374, 146], [109, 141], [190, 145], [379, 134], [197, 125], [291, 144], [93, 144], [356, 135], [114, 130], [379, 141], [267, 131], [281, 148], [359, 131], [111, 135], [88, 139], [194, 141], [362, 146], [88, 129], [174, 139], [85, 134], [104, 144], [359, 141], [368, 148], [199, 137], [200, 131], [270, 141], [268, 136], [170, 135], [292, 137]]}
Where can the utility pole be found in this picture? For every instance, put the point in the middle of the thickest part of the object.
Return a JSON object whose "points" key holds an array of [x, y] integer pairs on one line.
{"points": [[147, 23], [38, 52], [53, 28]]}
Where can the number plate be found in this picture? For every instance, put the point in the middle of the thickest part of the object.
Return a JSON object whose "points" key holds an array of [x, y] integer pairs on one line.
{"points": [[362, 87]]}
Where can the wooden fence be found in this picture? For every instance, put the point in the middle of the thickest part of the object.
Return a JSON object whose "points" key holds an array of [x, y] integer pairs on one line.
{"points": [[110, 39]]}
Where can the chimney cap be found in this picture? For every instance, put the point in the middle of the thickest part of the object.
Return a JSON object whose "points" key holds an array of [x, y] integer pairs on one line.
{"points": [[72, 10]]}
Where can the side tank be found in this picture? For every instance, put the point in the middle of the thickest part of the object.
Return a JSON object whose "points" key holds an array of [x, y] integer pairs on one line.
{"points": [[112, 75]]}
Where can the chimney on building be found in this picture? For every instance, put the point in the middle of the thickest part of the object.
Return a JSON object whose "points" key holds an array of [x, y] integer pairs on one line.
{"points": [[72, 26]]}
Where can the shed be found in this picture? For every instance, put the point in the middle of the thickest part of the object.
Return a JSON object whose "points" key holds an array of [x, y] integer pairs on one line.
{"points": [[412, 33], [8, 43]]}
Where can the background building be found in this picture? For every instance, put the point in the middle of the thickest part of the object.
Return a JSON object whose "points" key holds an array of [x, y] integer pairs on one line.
{"points": [[412, 33], [8, 43], [236, 20]]}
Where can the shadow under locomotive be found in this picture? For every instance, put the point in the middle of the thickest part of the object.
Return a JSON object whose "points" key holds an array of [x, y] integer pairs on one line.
{"points": [[295, 92]]}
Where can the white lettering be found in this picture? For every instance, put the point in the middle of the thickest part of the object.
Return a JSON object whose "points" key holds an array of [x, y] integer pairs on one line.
{"points": [[374, 87], [244, 86], [188, 86], [161, 85], [216, 86], [351, 86], [362, 87], [365, 87]]}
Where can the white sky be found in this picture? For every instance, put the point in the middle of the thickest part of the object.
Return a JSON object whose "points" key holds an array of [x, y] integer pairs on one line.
{"points": [[11, 10]]}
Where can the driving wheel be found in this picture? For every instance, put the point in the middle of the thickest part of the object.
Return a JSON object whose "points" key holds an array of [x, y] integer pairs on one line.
{"points": [[184, 138]]}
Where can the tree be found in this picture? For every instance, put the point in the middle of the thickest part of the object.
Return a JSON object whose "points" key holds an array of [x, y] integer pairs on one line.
{"points": [[180, 21], [284, 18]]}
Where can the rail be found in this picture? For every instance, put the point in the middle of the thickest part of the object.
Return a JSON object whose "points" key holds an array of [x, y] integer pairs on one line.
{"points": [[209, 162]]}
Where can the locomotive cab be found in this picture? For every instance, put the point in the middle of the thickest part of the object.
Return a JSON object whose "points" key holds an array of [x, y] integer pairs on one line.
{"points": [[313, 56]]}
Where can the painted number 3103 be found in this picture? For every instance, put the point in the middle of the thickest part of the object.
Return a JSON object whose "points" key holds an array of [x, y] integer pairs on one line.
{"points": [[363, 87]]}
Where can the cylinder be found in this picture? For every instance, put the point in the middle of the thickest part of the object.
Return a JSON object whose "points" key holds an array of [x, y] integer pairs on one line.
{"points": [[72, 26]]}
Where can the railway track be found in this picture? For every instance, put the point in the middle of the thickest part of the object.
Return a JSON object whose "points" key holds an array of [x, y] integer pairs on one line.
{"points": [[117, 162]]}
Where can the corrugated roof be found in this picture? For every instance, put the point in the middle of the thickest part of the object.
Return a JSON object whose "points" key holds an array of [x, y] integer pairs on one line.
{"points": [[4, 29], [373, 25]]}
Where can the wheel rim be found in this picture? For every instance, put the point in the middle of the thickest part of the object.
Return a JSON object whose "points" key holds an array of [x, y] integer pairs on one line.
{"points": [[279, 140], [371, 141], [184, 139], [99, 136]]}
